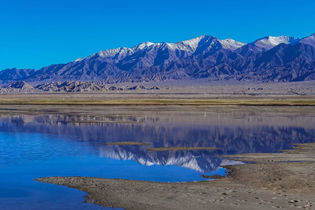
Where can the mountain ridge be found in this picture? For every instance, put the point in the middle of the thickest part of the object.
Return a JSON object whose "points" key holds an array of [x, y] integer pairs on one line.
{"points": [[268, 59]]}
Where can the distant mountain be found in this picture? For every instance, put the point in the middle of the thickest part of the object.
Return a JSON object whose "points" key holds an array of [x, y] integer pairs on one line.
{"points": [[269, 42], [69, 87], [309, 40], [15, 74], [268, 59]]}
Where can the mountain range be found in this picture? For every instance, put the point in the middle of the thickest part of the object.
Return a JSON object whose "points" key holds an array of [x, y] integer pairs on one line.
{"points": [[269, 59]]}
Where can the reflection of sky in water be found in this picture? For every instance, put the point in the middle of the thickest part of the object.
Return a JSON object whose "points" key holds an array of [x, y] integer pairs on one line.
{"points": [[51, 145]]}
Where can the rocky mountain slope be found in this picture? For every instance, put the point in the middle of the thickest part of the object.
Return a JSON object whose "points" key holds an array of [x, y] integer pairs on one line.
{"points": [[70, 87], [269, 59]]}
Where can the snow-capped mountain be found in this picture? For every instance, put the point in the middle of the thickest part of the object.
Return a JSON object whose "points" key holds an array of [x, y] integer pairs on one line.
{"points": [[270, 58], [188, 46], [231, 44], [269, 42]]}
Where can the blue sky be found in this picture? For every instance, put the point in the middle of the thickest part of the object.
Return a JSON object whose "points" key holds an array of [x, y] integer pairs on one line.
{"points": [[35, 33]]}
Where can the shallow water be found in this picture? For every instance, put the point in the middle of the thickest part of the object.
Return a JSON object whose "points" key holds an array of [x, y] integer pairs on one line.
{"points": [[52, 144]]}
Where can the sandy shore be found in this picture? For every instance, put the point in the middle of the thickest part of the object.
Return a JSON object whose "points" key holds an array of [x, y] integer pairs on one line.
{"points": [[284, 181]]}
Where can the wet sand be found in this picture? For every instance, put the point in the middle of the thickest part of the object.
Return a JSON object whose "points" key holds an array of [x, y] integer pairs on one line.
{"points": [[281, 181]]}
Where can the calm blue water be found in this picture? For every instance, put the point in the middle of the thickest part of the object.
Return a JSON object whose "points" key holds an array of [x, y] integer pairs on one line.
{"points": [[54, 145]]}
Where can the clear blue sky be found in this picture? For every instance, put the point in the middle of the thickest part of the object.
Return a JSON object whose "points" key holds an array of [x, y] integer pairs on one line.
{"points": [[35, 33]]}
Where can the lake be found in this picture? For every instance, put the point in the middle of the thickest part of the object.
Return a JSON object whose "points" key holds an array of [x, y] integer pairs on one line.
{"points": [[40, 141]]}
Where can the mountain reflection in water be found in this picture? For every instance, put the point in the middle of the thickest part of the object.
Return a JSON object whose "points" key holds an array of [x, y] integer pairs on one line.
{"points": [[244, 132]]}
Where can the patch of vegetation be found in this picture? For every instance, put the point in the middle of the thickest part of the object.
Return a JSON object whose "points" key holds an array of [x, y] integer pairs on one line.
{"points": [[90, 100], [128, 143], [161, 149]]}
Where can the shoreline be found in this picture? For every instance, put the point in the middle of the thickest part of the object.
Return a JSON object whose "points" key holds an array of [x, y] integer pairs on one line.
{"points": [[276, 180], [155, 100]]}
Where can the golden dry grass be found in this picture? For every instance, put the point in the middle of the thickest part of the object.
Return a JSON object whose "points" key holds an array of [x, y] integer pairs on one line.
{"points": [[161, 149], [128, 143], [130, 101]]}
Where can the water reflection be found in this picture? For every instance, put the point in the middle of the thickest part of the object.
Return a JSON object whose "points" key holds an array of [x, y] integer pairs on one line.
{"points": [[71, 141], [244, 132]]}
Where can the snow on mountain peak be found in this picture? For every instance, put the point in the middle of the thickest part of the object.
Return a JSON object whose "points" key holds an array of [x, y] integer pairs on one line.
{"points": [[114, 52], [191, 43], [189, 46], [281, 40], [231, 44], [144, 45], [79, 59], [269, 42]]}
